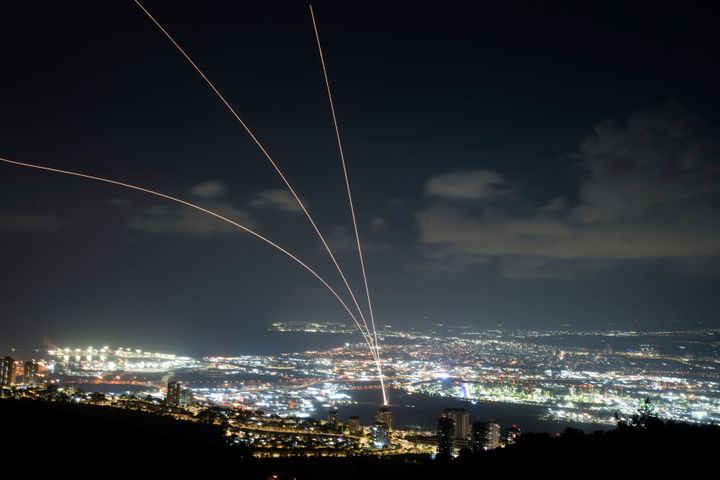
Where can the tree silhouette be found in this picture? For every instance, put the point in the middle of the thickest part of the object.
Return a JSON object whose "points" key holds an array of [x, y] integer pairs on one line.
{"points": [[644, 418], [97, 397]]}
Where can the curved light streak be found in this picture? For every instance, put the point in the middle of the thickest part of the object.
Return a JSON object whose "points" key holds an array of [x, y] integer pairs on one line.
{"points": [[349, 194], [266, 154], [209, 212]]}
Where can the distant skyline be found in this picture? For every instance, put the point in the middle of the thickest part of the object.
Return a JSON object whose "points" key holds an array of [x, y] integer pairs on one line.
{"points": [[521, 165]]}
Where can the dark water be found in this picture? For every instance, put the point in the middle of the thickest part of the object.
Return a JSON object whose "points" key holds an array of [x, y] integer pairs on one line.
{"points": [[422, 410], [249, 341], [260, 341], [263, 342], [696, 345]]}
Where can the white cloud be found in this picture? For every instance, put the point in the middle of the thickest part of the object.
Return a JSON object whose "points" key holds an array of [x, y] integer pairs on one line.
{"points": [[188, 221], [209, 189], [377, 224], [649, 191], [277, 198], [466, 185]]}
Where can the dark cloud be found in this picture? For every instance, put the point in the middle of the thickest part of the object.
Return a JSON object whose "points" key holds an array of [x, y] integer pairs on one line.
{"points": [[648, 190]]}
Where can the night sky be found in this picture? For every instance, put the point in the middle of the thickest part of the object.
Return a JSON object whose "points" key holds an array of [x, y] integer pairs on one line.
{"points": [[519, 166]]}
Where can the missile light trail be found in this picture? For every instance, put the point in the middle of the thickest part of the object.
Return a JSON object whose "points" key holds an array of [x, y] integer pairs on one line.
{"points": [[368, 340], [349, 193], [267, 155]]}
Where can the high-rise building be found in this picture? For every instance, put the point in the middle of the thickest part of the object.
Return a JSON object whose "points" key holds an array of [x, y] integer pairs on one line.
{"points": [[354, 426], [445, 435], [186, 397], [485, 436], [461, 417], [511, 434], [384, 415], [333, 418], [30, 372], [173, 393], [177, 395], [492, 436], [380, 435], [477, 436], [7, 371]]}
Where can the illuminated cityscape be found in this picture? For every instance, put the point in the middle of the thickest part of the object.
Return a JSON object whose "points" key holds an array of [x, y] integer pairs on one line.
{"points": [[295, 402]]}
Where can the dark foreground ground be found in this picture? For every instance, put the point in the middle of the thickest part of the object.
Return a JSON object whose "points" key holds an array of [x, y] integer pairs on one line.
{"points": [[75, 440]]}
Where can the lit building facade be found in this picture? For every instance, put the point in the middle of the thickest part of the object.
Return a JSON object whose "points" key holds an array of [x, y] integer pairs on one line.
{"points": [[354, 426], [30, 372], [384, 415], [461, 417], [485, 436], [445, 436], [492, 436], [177, 395], [511, 434], [380, 435], [333, 418], [7, 371]]}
